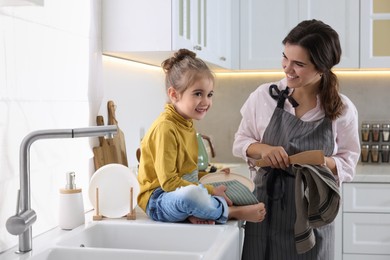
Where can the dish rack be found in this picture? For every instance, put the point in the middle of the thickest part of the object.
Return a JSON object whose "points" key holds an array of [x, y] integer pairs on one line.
{"points": [[129, 216]]}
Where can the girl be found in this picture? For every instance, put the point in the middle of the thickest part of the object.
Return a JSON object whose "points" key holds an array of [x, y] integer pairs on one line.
{"points": [[168, 173], [303, 111]]}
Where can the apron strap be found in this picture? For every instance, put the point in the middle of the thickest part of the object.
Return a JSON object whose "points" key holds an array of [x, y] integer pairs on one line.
{"points": [[281, 96]]}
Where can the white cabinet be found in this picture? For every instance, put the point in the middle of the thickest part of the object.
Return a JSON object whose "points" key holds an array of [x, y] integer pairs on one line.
{"points": [[149, 31], [264, 26], [366, 221], [375, 33], [343, 17], [210, 28]]}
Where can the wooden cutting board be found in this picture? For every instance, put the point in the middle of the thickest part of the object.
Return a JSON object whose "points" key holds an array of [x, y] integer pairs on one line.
{"points": [[312, 157], [105, 153], [119, 139]]}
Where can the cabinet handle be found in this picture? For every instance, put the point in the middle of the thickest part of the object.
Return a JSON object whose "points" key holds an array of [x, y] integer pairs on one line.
{"points": [[222, 58], [197, 48]]}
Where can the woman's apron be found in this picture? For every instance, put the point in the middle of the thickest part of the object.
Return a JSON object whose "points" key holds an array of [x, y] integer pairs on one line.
{"points": [[273, 239]]}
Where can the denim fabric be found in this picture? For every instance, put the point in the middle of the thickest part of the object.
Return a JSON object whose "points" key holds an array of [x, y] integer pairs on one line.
{"points": [[192, 200]]}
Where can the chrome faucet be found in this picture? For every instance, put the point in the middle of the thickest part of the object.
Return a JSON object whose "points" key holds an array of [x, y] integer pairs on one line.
{"points": [[20, 224]]}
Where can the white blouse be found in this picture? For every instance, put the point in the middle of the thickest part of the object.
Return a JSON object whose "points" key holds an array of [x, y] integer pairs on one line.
{"points": [[257, 112]]}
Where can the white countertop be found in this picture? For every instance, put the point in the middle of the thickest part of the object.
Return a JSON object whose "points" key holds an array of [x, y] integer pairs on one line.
{"points": [[372, 173], [379, 173]]}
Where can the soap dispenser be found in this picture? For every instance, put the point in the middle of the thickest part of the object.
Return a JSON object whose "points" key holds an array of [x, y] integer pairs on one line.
{"points": [[71, 206]]}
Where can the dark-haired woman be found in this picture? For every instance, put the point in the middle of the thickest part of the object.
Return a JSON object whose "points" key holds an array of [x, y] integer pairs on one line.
{"points": [[304, 111]]}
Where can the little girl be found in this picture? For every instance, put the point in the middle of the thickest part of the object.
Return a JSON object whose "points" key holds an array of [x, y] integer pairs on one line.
{"points": [[168, 174]]}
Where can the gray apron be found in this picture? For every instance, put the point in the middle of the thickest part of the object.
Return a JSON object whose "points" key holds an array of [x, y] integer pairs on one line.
{"points": [[273, 239]]}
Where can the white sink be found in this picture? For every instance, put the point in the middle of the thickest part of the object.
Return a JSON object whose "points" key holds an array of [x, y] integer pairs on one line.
{"points": [[59, 253], [122, 240]]}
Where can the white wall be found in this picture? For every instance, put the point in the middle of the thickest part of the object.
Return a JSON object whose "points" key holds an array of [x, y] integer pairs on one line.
{"points": [[139, 93], [50, 62]]}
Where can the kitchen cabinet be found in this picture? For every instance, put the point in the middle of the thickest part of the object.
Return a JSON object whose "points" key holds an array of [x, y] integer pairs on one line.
{"points": [[366, 221], [150, 31], [264, 26], [375, 36]]}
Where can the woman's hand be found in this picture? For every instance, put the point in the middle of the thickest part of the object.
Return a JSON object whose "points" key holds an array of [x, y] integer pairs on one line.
{"points": [[275, 156], [220, 191]]}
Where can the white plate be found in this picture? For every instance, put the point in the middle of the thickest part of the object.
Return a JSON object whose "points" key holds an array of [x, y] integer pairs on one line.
{"points": [[218, 177], [114, 182]]}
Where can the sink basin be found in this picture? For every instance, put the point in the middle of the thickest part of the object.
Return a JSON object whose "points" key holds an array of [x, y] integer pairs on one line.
{"points": [[63, 253], [125, 240]]}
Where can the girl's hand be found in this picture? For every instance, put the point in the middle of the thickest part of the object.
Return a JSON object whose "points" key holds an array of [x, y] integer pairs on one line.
{"points": [[220, 191], [225, 170]]}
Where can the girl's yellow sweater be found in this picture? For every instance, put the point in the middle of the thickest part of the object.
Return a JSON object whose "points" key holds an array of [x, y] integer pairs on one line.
{"points": [[169, 150]]}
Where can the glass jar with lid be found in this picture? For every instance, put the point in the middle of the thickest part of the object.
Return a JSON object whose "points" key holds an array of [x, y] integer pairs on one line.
{"points": [[365, 132], [385, 150], [385, 132], [374, 153], [375, 130], [365, 153]]}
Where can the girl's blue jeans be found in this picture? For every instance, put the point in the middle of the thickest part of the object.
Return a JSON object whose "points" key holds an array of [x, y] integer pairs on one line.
{"points": [[192, 200]]}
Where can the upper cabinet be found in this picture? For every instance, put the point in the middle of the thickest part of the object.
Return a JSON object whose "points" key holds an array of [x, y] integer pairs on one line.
{"points": [[375, 34], [150, 30], [264, 26], [343, 17], [242, 34]]}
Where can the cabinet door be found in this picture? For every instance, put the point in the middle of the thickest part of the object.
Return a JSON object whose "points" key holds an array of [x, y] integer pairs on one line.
{"points": [[365, 257], [366, 233], [263, 26], [208, 27], [366, 197], [220, 26], [343, 17], [137, 30], [375, 33]]}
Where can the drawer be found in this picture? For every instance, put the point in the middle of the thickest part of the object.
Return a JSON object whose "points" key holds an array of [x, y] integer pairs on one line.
{"points": [[366, 197], [365, 257], [366, 233]]}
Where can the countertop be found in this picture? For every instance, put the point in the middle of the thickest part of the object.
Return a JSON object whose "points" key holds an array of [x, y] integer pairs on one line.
{"points": [[378, 173], [373, 173]]}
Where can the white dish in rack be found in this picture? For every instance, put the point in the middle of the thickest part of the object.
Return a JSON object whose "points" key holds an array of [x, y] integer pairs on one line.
{"points": [[113, 182]]}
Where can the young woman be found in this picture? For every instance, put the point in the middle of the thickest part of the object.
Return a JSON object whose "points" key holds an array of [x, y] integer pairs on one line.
{"points": [[303, 111], [168, 174]]}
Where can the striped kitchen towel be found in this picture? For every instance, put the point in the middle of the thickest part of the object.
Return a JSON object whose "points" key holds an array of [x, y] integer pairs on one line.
{"points": [[238, 193]]}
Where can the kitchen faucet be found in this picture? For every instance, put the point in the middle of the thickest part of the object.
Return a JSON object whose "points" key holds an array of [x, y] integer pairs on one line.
{"points": [[20, 224]]}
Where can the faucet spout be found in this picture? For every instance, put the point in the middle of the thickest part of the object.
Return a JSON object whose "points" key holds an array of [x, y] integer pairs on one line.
{"points": [[21, 223]]}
